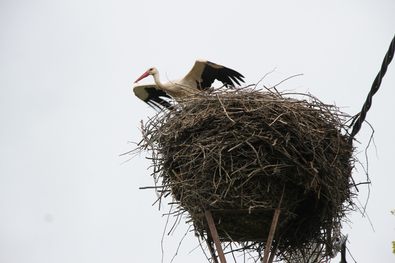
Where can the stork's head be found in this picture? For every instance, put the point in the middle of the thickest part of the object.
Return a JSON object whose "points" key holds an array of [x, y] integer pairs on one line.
{"points": [[150, 71]]}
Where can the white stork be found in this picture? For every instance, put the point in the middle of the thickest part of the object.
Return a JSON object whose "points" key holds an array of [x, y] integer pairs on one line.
{"points": [[200, 77]]}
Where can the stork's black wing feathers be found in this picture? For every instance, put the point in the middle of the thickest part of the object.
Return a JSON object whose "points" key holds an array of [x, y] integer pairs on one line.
{"points": [[213, 71], [154, 98]]}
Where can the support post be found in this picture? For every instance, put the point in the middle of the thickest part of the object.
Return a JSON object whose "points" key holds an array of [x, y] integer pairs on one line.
{"points": [[273, 253], [271, 235], [214, 234], [211, 249]]}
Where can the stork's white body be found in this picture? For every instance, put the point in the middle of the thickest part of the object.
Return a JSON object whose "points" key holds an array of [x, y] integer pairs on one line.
{"points": [[178, 87], [200, 77]]}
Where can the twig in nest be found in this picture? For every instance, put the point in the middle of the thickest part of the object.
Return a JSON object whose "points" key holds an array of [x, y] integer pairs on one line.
{"points": [[227, 115]]}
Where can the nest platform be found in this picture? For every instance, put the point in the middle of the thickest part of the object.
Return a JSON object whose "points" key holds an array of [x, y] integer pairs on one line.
{"points": [[243, 153]]}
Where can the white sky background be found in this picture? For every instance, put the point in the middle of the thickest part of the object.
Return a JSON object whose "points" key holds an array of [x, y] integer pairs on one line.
{"points": [[68, 110]]}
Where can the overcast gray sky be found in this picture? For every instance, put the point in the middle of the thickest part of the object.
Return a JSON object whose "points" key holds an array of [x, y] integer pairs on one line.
{"points": [[68, 110]]}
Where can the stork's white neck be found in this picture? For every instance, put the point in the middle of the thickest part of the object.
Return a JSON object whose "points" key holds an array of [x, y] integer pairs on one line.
{"points": [[173, 88], [157, 81]]}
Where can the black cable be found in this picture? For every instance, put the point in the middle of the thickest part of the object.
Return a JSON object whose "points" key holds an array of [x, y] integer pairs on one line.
{"points": [[375, 87]]}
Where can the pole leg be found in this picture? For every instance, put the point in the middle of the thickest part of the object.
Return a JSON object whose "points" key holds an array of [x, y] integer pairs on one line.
{"points": [[215, 236], [211, 248], [271, 235], [273, 253]]}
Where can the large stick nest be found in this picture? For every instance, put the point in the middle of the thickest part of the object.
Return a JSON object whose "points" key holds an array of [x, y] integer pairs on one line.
{"points": [[243, 153]]}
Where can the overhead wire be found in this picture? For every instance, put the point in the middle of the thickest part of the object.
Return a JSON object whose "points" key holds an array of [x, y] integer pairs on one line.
{"points": [[360, 118]]}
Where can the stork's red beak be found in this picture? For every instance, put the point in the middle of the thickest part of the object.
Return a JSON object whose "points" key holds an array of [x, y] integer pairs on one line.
{"points": [[142, 76]]}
